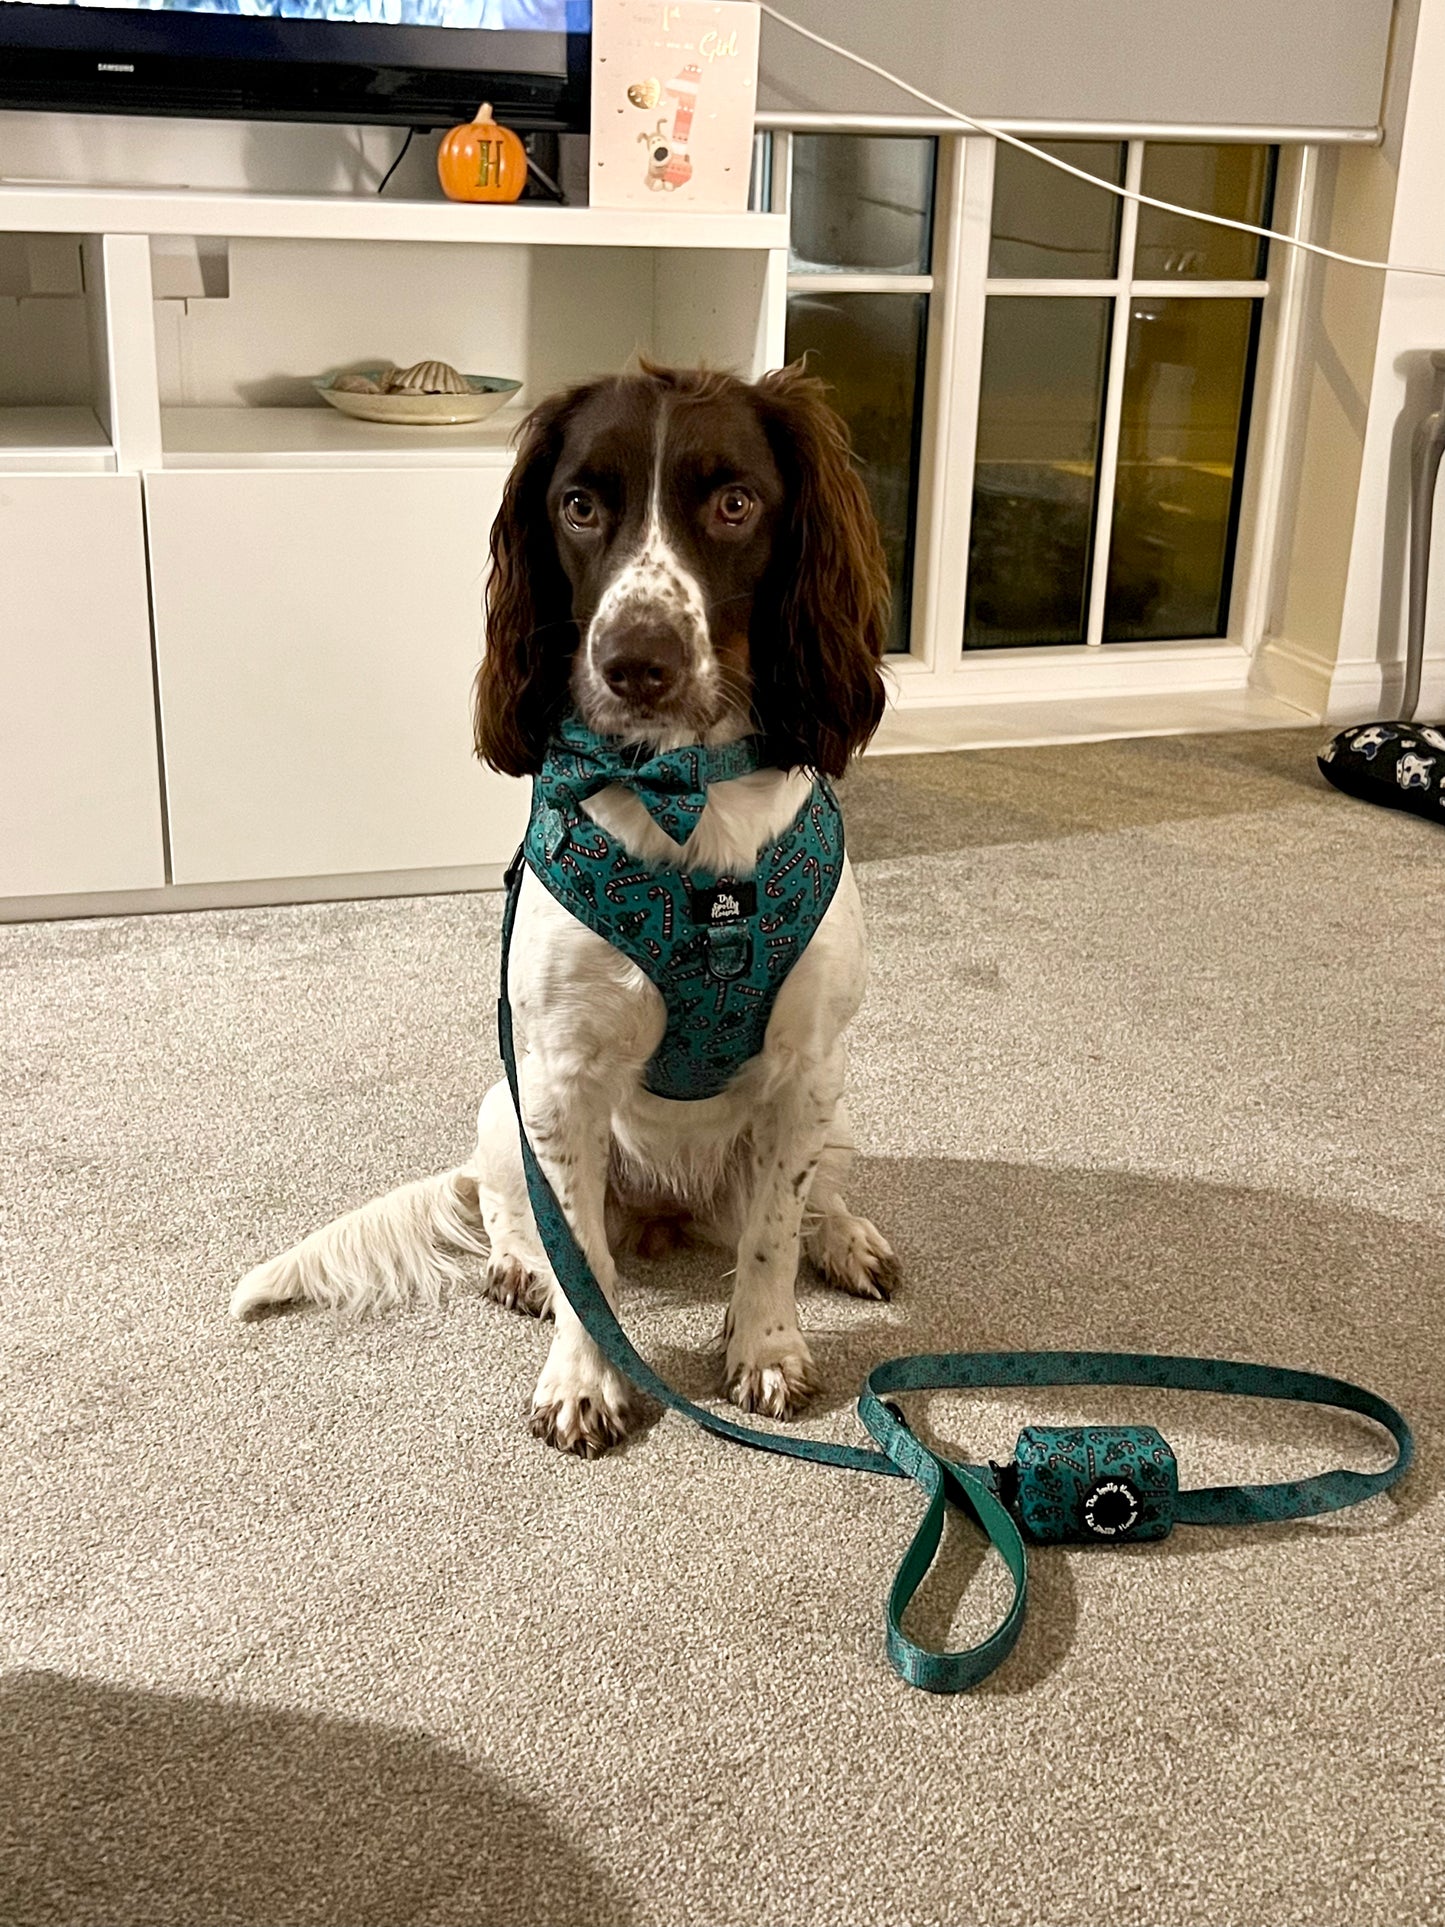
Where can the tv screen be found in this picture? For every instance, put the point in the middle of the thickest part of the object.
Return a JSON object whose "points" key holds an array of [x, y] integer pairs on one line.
{"points": [[409, 62]]}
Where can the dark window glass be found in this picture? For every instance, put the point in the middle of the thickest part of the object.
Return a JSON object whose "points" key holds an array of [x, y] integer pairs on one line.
{"points": [[869, 347], [1040, 408], [862, 205], [1235, 181], [1181, 464], [1047, 223]]}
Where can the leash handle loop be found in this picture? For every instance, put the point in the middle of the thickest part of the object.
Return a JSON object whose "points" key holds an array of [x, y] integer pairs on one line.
{"points": [[1223, 1505]]}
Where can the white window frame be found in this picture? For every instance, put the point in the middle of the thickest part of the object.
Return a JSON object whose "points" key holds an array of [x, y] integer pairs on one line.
{"points": [[937, 670]]}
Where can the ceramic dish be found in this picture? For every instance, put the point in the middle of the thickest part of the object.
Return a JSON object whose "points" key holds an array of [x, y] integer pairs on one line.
{"points": [[488, 393]]}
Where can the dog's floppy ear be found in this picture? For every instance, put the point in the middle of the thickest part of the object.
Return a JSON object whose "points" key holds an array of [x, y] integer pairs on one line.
{"points": [[820, 631], [520, 691]]}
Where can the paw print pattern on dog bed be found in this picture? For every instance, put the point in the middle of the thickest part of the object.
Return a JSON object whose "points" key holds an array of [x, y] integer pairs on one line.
{"points": [[1399, 765]]}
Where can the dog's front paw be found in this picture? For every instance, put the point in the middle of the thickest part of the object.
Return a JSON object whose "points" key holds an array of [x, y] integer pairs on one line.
{"points": [[774, 1375], [852, 1255], [510, 1282], [583, 1406]]}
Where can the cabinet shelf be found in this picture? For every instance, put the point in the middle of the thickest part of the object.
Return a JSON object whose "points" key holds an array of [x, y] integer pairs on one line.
{"points": [[303, 217], [66, 441], [262, 438]]}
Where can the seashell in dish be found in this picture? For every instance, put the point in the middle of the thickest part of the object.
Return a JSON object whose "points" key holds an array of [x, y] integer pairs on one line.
{"points": [[427, 378], [357, 385]]}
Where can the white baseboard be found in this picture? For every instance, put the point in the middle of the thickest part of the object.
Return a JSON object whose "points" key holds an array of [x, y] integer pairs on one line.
{"points": [[253, 893], [1292, 673], [1361, 691], [1342, 692]]}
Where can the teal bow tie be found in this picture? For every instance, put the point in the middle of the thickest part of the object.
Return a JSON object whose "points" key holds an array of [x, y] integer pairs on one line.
{"points": [[671, 786]]}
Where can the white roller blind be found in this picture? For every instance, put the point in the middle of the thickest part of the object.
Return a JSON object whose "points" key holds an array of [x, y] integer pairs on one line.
{"points": [[1250, 63]]}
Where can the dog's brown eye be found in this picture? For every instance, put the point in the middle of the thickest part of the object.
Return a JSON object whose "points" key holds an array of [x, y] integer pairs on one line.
{"points": [[735, 505], [579, 509]]}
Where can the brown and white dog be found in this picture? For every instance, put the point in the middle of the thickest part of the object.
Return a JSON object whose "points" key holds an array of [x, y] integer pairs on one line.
{"points": [[679, 557]]}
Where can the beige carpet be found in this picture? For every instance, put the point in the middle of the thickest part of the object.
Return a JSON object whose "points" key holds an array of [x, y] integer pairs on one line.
{"points": [[300, 1625]]}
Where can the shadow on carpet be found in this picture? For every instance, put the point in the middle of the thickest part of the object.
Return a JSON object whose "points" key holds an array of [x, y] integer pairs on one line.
{"points": [[124, 1806]]}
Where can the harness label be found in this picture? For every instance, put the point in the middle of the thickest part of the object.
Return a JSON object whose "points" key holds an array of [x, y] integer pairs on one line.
{"points": [[724, 903]]}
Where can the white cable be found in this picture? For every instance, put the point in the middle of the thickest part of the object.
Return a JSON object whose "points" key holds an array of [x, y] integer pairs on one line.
{"points": [[1066, 167]]}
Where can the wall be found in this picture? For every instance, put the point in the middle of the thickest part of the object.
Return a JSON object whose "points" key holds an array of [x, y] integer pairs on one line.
{"points": [[1355, 199], [265, 157], [1368, 664], [1337, 632]]}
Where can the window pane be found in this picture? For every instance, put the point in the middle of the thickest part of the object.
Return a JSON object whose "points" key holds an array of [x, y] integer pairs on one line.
{"points": [[870, 348], [862, 205], [1181, 458], [1040, 408], [1235, 181], [1047, 223]]}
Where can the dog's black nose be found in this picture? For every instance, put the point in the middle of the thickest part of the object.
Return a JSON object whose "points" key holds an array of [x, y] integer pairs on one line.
{"points": [[641, 663]]}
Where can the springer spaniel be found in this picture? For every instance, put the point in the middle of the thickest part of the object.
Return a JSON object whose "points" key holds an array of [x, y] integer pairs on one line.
{"points": [[680, 557]]}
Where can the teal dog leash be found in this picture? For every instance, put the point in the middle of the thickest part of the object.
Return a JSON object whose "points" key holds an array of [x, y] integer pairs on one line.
{"points": [[1097, 1484]]}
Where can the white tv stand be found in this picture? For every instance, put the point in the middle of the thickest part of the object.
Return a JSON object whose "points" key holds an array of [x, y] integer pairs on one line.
{"points": [[239, 628]]}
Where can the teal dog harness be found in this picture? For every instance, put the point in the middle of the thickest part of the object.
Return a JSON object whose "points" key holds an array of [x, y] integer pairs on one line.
{"points": [[718, 948], [1092, 1485]]}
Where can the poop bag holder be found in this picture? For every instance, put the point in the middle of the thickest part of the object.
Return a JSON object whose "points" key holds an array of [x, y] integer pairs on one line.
{"points": [[1098, 1484]]}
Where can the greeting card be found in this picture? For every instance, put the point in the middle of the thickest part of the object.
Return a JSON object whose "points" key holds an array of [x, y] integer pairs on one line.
{"points": [[674, 89]]}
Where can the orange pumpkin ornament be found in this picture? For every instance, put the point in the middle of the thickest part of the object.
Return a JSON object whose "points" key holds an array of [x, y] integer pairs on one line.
{"points": [[481, 161]]}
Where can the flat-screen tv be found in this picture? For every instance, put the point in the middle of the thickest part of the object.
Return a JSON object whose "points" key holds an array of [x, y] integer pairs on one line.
{"points": [[413, 63]]}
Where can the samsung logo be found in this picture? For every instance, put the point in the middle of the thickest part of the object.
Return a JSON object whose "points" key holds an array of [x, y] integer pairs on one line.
{"points": [[114, 67]]}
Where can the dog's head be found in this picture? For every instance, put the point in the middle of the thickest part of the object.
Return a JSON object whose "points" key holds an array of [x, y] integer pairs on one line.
{"points": [[676, 550]]}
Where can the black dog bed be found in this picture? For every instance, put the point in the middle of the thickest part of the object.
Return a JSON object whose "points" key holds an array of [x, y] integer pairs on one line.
{"points": [[1398, 765]]}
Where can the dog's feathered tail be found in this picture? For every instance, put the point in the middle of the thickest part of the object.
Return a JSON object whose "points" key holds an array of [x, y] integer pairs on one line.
{"points": [[396, 1250]]}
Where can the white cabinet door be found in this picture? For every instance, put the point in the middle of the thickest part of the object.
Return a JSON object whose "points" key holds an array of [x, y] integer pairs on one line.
{"points": [[80, 798], [316, 636]]}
